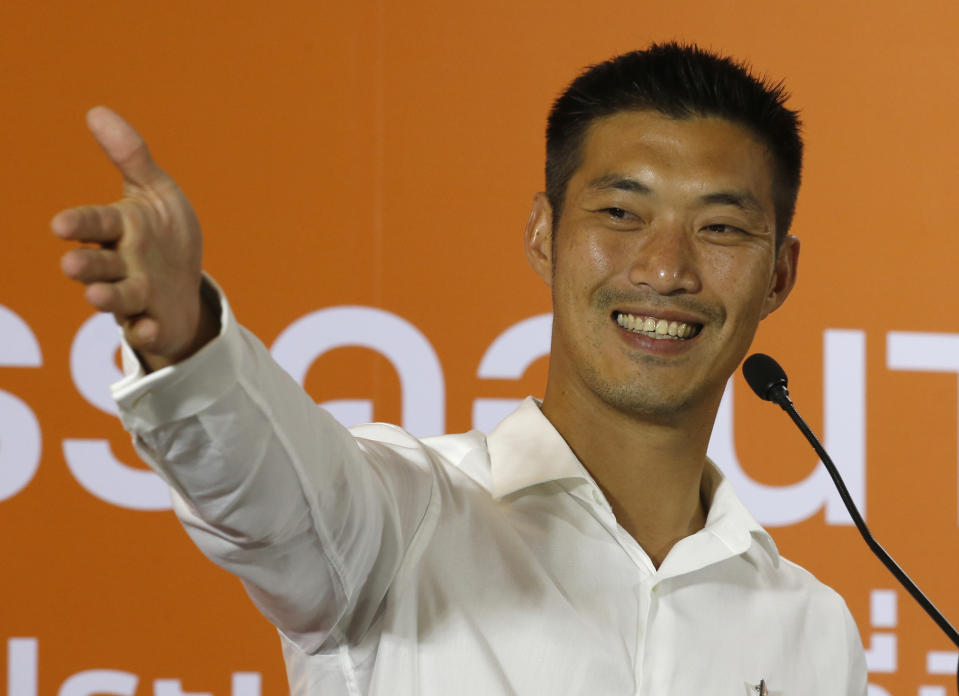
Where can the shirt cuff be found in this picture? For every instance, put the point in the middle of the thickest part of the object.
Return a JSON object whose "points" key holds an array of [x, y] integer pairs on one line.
{"points": [[147, 400]]}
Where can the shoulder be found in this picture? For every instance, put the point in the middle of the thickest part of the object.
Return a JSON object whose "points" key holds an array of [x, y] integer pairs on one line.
{"points": [[820, 606], [461, 452], [790, 581], [823, 630], [792, 577]]}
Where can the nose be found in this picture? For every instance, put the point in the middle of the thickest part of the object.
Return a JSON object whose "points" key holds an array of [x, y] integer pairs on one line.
{"points": [[665, 261]]}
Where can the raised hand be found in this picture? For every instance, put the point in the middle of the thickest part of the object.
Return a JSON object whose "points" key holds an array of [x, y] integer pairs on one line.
{"points": [[142, 257]]}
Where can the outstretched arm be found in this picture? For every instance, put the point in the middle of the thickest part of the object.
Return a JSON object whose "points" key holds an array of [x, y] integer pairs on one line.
{"points": [[268, 485]]}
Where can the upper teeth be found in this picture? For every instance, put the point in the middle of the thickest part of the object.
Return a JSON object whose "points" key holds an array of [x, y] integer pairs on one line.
{"points": [[654, 326]]}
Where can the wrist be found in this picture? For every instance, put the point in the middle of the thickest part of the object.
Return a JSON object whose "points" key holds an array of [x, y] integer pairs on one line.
{"points": [[206, 329]]}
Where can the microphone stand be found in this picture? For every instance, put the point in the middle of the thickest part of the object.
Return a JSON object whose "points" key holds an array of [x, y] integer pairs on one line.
{"points": [[780, 395]]}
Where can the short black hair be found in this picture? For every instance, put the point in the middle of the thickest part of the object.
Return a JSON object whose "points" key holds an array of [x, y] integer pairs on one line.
{"points": [[679, 81]]}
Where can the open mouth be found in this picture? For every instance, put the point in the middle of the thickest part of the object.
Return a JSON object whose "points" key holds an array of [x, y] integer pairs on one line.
{"points": [[657, 328]]}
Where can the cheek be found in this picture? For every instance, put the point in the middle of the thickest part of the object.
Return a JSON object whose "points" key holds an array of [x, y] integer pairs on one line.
{"points": [[725, 267], [742, 279], [588, 261], [593, 257]]}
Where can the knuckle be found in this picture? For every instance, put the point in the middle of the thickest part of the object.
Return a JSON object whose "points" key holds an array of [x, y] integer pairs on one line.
{"points": [[131, 297]]}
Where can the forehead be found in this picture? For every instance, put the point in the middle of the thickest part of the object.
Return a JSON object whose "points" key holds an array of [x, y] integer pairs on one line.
{"points": [[693, 155]]}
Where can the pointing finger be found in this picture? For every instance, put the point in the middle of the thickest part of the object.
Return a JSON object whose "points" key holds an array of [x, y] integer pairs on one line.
{"points": [[124, 146], [89, 265], [94, 224]]}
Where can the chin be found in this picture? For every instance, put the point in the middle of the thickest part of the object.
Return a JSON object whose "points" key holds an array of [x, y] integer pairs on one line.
{"points": [[644, 401]]}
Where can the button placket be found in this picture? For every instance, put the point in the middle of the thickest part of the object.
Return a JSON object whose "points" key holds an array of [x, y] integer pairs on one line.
{"points": [[647, 605]]}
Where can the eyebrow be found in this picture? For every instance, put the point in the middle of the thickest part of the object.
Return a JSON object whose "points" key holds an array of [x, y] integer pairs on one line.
{"points": [[620, 183], [739, 199]]}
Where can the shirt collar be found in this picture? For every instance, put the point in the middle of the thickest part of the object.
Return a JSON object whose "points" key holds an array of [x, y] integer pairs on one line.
{"points": [[526, 450], [729, 520]]}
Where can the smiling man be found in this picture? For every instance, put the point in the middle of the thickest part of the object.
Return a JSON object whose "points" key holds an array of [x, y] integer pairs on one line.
{"points": [[662, 262], [586, 545]]}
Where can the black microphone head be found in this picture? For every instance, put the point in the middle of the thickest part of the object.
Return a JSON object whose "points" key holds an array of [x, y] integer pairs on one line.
{"points": [[765, 376]]}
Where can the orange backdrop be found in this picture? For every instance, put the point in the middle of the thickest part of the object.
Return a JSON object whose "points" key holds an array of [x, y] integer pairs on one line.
{"points": [[384, 154]]}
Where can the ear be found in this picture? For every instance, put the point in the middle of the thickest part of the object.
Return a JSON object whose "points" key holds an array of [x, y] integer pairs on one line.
{"points": [[538, 238], [784, 275]]}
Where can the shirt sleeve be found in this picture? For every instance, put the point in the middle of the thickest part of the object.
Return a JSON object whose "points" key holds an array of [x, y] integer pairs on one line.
{"points": [[272, 488]]}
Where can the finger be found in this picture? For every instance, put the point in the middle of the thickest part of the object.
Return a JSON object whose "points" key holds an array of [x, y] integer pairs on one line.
{"points": [[142, 332], [125, 298], [89, 265], [124, 146], [95, 224]]}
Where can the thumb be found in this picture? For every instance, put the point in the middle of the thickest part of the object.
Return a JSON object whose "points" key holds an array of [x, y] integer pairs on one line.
{"points": [[124, 146]]}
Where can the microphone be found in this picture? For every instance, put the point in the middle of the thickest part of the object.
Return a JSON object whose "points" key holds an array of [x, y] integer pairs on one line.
{"points": [[766, 378], [769, 381]]}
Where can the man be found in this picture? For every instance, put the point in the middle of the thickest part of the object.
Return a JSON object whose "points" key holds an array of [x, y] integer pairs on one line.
{"points": [[586, 545]]}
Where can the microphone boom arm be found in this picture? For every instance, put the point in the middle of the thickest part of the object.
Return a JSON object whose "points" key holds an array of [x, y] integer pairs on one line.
{"points": [[786, 404], [768, 380]]}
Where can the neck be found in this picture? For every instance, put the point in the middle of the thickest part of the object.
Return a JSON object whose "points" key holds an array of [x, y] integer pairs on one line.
{"points": [[651, 470]]}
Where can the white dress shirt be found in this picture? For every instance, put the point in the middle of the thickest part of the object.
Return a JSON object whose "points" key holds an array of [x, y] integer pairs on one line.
{"points": [[467, 564]]}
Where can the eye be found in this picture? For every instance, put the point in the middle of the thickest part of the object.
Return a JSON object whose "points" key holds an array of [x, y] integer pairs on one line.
{"points": [[721, 228], [617, 213], [617, 218]]}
